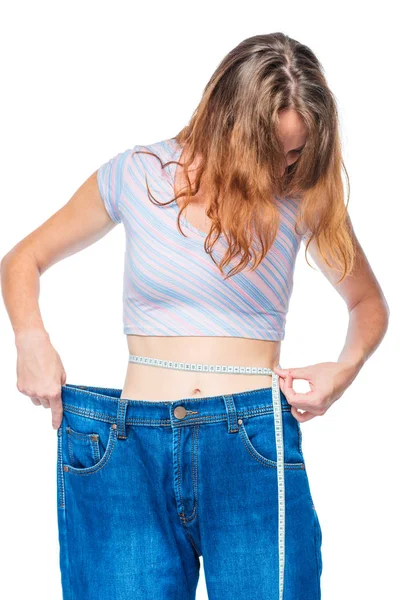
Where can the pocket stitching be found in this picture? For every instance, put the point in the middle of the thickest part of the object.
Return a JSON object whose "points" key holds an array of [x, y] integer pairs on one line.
{"points": [[91, 439], [259, 457], [103, 461]]}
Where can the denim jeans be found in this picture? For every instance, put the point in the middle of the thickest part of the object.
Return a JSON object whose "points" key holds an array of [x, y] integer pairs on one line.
{"points": [[144, 488]]}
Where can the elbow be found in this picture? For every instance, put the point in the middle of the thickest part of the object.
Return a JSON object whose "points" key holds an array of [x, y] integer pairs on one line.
{"points": [[387, 313], [383, 306], [4, 261], [376, 307], [382, 309], [17, 255], [386, 308], [10, 254]]}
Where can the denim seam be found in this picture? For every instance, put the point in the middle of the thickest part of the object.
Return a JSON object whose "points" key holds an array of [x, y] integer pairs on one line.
{"points": [[178, 458], [193, 513], [316, 542], [183, 521], [62, 507], [67, 551], [192, 516], [182, 515], [70, 449], [61, 470], [194, 453], [96, 449], [197, 430]]}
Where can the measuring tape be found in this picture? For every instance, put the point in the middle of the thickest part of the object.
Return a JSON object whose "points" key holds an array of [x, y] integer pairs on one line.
{"points": [[276, 401], [281, 478]]}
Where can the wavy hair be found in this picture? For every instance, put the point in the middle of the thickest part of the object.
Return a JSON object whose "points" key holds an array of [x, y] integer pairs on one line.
{"points": [[234, 130]]}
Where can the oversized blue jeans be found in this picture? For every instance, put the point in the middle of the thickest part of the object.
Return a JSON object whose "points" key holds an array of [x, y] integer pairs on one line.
{"points": [[145, 488]]}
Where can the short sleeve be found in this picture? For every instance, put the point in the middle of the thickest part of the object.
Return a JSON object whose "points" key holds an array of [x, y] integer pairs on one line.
{"points": [[110, 178]]}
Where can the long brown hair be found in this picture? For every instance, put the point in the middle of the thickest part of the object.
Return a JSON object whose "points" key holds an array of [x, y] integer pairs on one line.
{"points": [[234, 131]]}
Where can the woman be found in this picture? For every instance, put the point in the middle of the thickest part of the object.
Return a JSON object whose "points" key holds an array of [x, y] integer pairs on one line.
{"points": [[207, 462]]}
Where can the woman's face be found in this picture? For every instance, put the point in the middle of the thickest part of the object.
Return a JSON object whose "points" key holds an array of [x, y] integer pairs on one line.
{"points": [[293, 135]]}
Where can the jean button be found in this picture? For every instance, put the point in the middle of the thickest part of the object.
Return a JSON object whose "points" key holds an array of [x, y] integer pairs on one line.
{"points": [[180, 412]]}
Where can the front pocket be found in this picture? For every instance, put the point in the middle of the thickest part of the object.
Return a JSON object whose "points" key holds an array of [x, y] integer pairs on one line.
{"points": [[83, 448], [257, 433], [89, 444]]}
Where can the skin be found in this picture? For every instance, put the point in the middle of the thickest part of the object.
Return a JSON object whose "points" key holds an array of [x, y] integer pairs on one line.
{"points": [[83, 220]]}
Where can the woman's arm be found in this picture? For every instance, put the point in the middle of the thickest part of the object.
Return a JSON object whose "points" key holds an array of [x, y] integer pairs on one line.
{"points": [[368, 309], [79, 223], [368, 322]]}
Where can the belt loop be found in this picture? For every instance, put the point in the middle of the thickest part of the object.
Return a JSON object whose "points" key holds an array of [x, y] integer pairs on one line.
{"points": [[121, 417], [231, 414]]}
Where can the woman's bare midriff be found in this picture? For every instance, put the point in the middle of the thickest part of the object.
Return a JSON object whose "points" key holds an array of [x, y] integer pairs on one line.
{"points": [[146, 382]]}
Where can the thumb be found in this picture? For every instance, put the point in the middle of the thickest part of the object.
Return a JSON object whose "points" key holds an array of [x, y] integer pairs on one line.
{"points": [[295, 373], [280, 371]]}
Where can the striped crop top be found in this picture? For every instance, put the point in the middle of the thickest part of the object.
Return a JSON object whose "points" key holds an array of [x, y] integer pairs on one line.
{"points": [[170, 285]]}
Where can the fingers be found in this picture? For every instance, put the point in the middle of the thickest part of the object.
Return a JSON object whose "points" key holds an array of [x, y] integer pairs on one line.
{"points": [[56, 408], [50, 400], [298, 401], [301, 417], [282, 384], [44, 402], [56, 415], [35, 400]]}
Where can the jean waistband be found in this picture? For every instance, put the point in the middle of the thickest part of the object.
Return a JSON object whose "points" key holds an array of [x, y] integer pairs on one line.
{"points": [[105, 404]]}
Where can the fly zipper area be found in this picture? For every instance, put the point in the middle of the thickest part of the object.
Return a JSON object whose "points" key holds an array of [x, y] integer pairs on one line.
{"points": [[185, 453], [186, 443]]}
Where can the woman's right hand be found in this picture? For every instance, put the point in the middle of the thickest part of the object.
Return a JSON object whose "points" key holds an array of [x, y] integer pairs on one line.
{"points": [[40, 372]]}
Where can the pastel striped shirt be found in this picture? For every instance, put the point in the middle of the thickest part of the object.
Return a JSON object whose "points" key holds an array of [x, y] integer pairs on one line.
{"points": [[171, 285]]}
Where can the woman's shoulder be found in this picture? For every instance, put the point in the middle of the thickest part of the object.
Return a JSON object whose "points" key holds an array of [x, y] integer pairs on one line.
{"points": [[164, 149]]}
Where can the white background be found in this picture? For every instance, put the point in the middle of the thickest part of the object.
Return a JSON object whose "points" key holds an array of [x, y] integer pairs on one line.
{"points": [[83, 81]]}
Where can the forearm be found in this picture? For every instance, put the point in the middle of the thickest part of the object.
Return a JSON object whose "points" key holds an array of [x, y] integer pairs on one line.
{"points": [[368, 323], [20, 289]]}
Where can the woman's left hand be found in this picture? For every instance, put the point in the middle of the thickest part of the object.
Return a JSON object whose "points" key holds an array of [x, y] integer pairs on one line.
{"points": [[327, 380]]}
